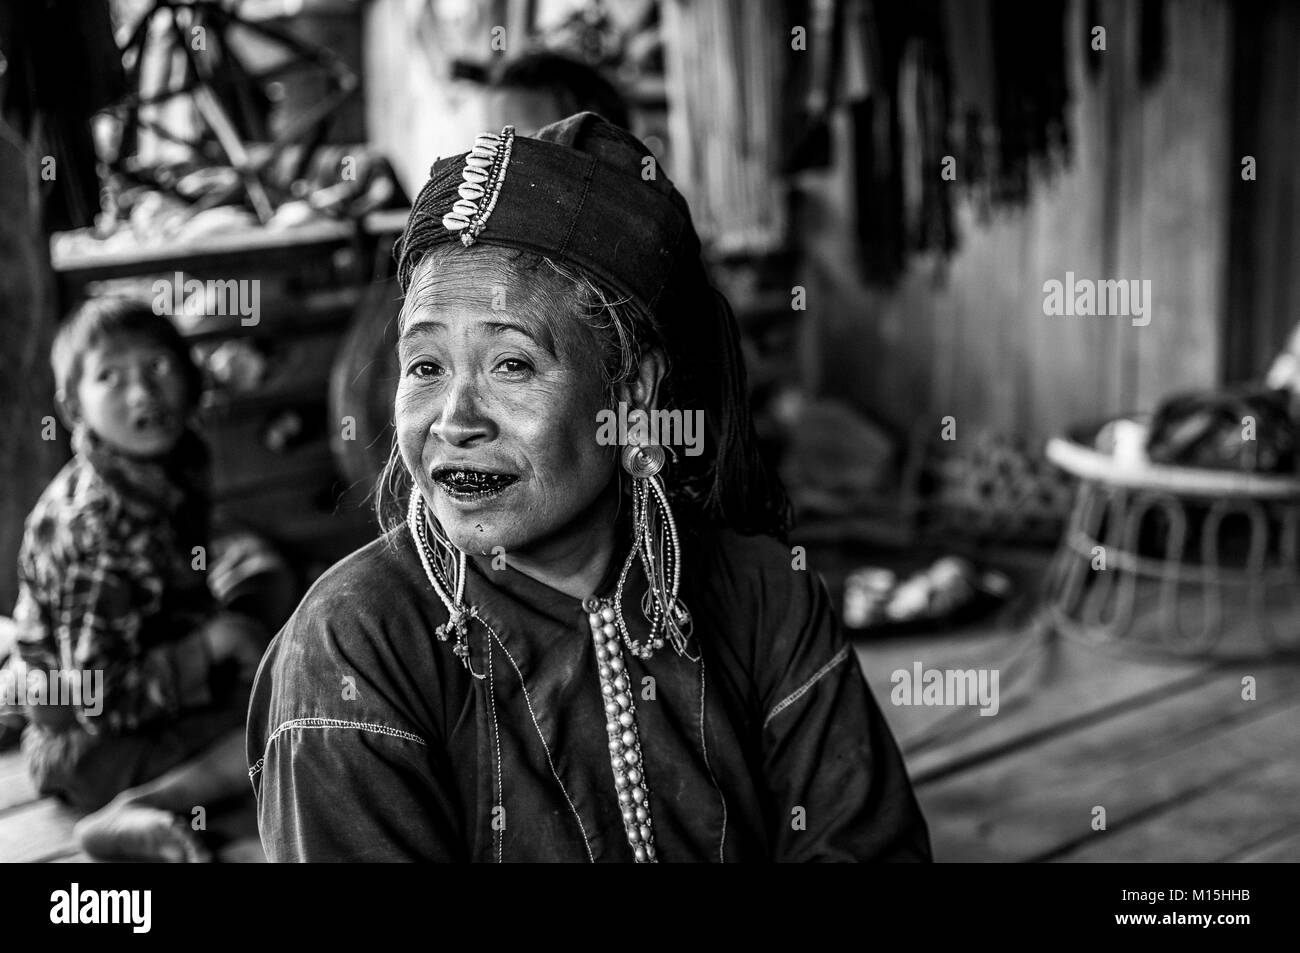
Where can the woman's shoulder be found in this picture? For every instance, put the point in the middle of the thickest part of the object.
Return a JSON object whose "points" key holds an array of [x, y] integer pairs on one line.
{"points": [[364, 605], [754, 548], [381, 573], [739, 560], [356, 645], [768, 609], [763, 588], [759, 579]]}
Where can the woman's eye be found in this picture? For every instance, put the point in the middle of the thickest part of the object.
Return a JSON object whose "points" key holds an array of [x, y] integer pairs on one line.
{"points": [[514, 366], [424, 369], [161, 366]]}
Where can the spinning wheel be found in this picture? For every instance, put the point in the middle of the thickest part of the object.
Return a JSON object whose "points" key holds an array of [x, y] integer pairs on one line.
{"points": [[190, 50]]}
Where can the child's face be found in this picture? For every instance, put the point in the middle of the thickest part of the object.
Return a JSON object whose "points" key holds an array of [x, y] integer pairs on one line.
{"points": [[132, 394]]}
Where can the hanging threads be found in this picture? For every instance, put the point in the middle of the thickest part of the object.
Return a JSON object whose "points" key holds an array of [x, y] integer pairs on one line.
{"points": [[657, 545], [445, 568]]}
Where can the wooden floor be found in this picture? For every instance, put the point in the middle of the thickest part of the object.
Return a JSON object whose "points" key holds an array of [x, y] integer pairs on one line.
{"points": [[39, 830], [32, 829], [1185, 768]]}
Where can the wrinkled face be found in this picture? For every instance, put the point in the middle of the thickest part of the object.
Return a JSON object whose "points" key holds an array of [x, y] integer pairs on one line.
{"points": [[132, 394], [497, 429]]}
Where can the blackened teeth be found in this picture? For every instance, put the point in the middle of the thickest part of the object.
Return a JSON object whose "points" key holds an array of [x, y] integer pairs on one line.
{"points": [[473, 481]]}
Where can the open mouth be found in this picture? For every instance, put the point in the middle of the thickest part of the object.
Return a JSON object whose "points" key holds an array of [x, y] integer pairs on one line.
{"points": [[153, 419], [468, 484]]}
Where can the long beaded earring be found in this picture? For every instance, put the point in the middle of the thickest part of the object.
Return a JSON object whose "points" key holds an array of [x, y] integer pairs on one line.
{"points": [[657, 546]]}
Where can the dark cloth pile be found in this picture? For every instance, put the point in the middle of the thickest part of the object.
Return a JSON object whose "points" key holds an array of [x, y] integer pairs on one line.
{"points": [[1246, 429]]}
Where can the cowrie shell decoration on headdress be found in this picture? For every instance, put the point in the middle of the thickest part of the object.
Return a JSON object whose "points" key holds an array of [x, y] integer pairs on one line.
{"points": [[484, 173]]}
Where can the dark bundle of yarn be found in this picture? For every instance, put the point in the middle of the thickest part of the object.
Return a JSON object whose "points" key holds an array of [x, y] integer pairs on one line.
{"points": [[1245, 429]]}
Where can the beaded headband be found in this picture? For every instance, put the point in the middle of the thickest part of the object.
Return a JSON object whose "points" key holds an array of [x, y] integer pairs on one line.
{"points": [[483, 176], [600, 211]]}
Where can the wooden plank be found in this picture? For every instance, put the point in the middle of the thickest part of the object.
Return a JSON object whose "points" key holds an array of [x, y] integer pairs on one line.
{"points": [[1279, 847], [1027, 734], [15, 784], [964, 649], [1177, 222], [1031, 802], [724, 111], [1046, 688], [36, 832], [1249, 791], [80, 261], [1038, 802], [1126, 115]]}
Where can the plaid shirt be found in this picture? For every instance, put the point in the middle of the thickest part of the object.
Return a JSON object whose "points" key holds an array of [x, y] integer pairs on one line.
{"points": [[107, 581]]}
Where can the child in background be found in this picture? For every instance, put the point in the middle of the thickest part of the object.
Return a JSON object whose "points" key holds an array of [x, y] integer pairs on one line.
{"points": [[112, 580]]}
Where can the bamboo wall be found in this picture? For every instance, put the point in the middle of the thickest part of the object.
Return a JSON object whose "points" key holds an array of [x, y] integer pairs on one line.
{"points": [[1146, 197], [1153, 192], [724, 116]]}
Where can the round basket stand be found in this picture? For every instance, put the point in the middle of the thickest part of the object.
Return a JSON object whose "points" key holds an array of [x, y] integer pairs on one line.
{"points": [[1175, 561]]}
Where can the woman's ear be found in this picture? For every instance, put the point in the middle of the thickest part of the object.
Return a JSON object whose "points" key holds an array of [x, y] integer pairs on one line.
{"points": [[642, 391]]}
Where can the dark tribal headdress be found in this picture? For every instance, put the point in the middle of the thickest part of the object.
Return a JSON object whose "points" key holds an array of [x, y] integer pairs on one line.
{"points": [[588, 194]]}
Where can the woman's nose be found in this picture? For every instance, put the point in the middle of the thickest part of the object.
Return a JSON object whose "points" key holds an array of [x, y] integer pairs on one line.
{"points": [[462, 421]]}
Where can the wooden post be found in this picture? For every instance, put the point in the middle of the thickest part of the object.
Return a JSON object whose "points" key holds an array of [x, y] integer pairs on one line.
{"points": [[724, 67], [27, 322]]}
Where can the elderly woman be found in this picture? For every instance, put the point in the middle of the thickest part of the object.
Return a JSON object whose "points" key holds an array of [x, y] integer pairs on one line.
{"points": [[564, 649]]}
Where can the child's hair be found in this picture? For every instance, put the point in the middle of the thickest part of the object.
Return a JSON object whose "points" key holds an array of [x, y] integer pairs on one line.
{"points": [[111, 317]]}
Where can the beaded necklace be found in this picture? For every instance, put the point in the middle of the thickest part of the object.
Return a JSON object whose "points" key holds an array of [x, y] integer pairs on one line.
{"points": [[607, 631]]}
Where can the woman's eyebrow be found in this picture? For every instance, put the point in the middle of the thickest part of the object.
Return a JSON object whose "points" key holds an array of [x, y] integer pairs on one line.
{"points": [[422, 327], [536, 333]]}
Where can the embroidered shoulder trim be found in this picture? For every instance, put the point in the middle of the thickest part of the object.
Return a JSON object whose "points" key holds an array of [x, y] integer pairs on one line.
{"points": [[803, 689], [330, 723]]}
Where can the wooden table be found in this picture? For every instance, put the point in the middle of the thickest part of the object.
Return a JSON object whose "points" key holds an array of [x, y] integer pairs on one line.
{"points": [[260, 247]]}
